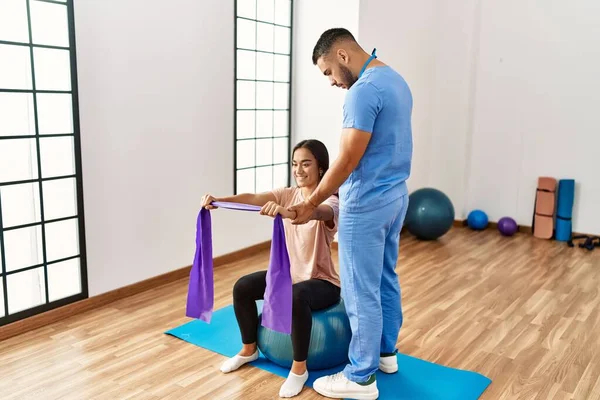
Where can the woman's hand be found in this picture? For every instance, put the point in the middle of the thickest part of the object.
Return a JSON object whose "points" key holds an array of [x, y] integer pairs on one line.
{"points": [[272, 209], [207, 199]]}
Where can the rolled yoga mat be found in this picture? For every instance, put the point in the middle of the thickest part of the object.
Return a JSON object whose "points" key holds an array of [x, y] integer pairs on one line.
{"points": [[564, 209], [416, 379], [545, 208]]}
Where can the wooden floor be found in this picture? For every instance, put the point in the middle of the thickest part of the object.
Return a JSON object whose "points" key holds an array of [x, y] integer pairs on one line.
{"points": [[522, 311]]}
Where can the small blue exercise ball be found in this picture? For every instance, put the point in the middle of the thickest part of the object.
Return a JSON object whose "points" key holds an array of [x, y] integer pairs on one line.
{"points": [[329, 340], [477, 220], [430, 214]]}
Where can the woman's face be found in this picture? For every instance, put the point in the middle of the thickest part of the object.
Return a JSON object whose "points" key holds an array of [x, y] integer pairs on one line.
{"points": [[305, 168]]}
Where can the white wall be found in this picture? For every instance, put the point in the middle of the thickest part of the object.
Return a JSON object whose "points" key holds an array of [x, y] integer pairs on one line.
{"points": [[156, 107], [501, 91], [535, 114], [317, 107], [429, 43]]}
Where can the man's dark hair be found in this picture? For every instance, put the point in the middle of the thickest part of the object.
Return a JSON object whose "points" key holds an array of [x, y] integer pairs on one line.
{"points": [[327, 40]]}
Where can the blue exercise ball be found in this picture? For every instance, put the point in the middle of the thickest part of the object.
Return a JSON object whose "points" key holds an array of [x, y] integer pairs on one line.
{"points": [[329, 340], [477, 220], [430, 214]]}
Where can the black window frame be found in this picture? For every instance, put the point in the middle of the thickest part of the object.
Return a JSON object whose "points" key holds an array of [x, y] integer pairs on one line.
{"points": [[82, 256], [235, 105]]}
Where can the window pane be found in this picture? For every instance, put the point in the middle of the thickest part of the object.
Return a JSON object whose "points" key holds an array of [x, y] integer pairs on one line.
{"points": [[281, 95], [246, 8], [264, 179], [60, 198], [15, 67], [20, 204], [52, 69], [1, 294], [264, 95], [280, 150], [245, 153], [16, 114], [246, 95], [264, 123], [245, 124], [55, 113], [23, 248], [281, 124], [57, 156], [246, 64], [62, 239], [283, 14], [266, 10], [265, 66], [282, 68], [26, 290], [64, 279], [280, 176], [18, 160], [264, 151], [246, 34], [282, 40], [245, 181], [49, 24], [264, 37], [13, 21]]}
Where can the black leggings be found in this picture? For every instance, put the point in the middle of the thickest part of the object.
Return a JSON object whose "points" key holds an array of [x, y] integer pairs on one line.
{"points": [[314, 294]]}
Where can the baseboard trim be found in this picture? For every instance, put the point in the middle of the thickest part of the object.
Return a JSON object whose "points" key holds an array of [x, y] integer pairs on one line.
{"points": [[49, 317], [521, 228], [494, 225], [461, 223]]}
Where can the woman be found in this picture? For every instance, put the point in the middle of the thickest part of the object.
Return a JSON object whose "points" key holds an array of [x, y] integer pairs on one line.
{"points": [[316, 284]]}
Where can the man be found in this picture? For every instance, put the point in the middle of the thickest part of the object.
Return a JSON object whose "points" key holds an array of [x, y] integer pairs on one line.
{"points": [[372, 168]]}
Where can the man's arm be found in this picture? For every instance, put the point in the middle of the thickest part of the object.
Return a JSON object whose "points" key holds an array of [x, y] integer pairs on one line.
{"points": [[361, 107], [353, 145]]}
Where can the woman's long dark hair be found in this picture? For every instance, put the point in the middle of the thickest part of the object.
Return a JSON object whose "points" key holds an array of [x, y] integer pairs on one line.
{"points": [[318, 150]]}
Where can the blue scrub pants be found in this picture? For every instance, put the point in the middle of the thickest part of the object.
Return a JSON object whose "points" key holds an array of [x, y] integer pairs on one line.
{"points": [[368, 253]]}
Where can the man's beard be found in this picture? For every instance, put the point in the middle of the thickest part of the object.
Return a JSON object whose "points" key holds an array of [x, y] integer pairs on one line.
{"points": [[349, 79]]}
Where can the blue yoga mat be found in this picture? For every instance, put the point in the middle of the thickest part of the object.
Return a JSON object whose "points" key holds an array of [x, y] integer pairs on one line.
{"points": [[564, 209], [416, 379], [564, 229]]}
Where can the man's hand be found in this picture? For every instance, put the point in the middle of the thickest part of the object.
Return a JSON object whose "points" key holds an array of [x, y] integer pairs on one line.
{"points": [[303, 212], [272, 209]]}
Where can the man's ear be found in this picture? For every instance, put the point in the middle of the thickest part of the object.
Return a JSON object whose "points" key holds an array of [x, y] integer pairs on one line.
{"points": [[342, 56]]}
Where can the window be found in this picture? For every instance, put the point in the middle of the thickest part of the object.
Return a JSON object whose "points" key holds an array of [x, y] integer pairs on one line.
{"points": [[42, 248], [263, 48]]}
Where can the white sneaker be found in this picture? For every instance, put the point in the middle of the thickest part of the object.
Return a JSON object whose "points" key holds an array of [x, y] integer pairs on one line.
{"points": [[339, 387], [388, 364]]}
